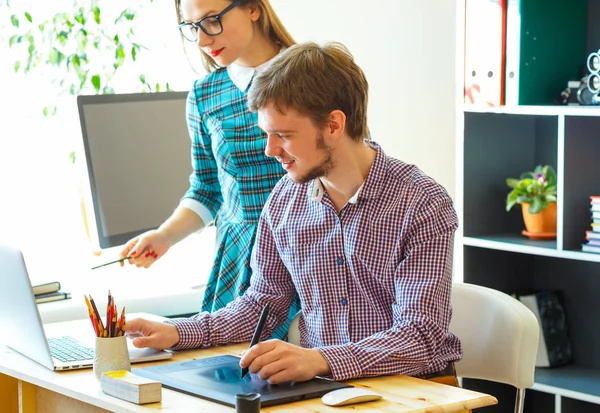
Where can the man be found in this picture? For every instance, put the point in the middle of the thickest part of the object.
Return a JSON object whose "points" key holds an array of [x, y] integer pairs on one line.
{"points": [[365, 239]]}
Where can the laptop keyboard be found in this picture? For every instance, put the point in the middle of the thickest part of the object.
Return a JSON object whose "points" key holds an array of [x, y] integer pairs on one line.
{"points": [[68, 349]]}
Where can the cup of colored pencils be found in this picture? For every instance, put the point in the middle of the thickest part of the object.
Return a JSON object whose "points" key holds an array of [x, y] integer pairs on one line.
{"points": [[115, 324], [111, 351]]}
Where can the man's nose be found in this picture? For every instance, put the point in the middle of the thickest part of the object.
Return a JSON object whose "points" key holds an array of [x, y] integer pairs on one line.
{"points": [[272, 148]]}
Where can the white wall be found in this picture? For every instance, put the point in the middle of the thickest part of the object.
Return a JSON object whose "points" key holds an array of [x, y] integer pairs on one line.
{"points": [[407, 50]]}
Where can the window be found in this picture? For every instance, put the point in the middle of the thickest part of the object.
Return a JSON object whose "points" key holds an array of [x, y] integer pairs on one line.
{"points": [[39, 185]]}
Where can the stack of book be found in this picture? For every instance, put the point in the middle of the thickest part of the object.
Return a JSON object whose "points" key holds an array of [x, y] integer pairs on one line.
{"points": [[131, 387], [51, 291], [592, 237]]}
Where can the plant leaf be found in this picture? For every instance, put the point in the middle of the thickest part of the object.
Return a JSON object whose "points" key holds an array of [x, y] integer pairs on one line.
{"points": [[15, 39], [96, 11], [28, 17], [511, 200], [96, 83], [536, 205], [512, 182], [56, 57], [14, 20]]}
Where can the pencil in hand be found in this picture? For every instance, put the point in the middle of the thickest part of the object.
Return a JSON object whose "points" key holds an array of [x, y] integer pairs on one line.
{"points": [[257, 333], [111, 262]]}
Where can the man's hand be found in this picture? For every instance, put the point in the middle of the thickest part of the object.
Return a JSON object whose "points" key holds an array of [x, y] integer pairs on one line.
{"points": [[279, 362], [153, 334]]}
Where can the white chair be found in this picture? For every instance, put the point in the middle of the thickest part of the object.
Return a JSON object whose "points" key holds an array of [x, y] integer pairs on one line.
{"points": [[499, 335], [294, 331]]}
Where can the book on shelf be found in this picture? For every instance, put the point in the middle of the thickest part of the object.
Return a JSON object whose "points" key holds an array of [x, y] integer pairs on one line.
{"points": [[590, 248], [50, 287], [54, 296], [592, 236], [128, 386]]}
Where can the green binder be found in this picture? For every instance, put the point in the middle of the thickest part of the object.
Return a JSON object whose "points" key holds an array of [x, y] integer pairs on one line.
{"points": [[545, 48]]}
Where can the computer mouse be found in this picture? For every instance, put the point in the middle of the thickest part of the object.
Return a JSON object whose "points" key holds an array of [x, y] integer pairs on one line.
{"points": [[352, 395]]}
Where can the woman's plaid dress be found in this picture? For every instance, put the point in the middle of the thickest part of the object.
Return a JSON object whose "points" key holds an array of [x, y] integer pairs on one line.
{"points": [[232, 178]]}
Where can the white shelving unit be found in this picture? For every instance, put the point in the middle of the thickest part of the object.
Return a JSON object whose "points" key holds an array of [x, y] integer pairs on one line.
{"points": [[497, 143]]}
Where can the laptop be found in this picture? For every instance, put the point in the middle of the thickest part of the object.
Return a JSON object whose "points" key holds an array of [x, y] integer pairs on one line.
{"points": [[64, 346]]}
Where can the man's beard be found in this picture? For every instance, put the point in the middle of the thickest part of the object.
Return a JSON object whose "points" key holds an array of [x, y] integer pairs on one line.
{"points": [[324, 168]]}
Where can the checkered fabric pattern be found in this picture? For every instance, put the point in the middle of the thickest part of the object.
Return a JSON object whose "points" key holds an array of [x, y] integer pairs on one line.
{"points": [[374, 279], [231, 177]]}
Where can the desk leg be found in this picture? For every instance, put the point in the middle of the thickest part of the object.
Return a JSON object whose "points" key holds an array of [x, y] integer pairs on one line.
{"points": [[26, 397], [9, 394]]}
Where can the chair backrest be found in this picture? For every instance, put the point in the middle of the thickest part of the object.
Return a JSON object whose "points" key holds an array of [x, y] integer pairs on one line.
{"points": [[499, 336], [294, 330]]}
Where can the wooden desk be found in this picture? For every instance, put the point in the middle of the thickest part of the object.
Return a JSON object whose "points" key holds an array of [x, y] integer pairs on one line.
{"points": [[42, 391]]}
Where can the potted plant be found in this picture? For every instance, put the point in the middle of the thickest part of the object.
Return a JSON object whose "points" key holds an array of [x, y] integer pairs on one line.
{"points": [[536, 192]]}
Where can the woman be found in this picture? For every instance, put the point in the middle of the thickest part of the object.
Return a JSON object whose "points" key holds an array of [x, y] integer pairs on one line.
{"points": [[231, 177]]}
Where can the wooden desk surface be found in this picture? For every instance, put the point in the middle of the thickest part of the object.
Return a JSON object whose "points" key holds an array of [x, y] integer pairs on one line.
{"points": [[401, 394]]}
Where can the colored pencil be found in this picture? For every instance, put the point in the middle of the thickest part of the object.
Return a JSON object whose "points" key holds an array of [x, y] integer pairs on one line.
{"points": [[111, 262], [92, 316], [101, 330]]}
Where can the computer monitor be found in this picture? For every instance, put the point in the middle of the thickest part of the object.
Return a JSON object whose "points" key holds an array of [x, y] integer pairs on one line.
{"points": [[137, 154]]}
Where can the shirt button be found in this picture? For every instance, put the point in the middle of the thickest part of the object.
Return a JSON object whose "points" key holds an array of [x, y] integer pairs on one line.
{"points": [[340, 260], [344, 301]]}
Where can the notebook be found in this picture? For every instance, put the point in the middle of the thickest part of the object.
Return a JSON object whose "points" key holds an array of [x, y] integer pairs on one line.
{"points": [[219, 379], [68, 345]]}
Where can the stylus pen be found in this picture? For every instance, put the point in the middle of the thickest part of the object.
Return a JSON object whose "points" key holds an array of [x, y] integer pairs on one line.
{"points": [[257, 332], [112, 262]]}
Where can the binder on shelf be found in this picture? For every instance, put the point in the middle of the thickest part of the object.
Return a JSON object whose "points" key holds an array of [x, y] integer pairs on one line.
{"points": [[554, 347], [545, 49], [485, 21]]}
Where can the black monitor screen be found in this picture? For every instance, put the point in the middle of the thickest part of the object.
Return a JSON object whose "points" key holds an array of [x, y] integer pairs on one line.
{"points": [[137, 153]]}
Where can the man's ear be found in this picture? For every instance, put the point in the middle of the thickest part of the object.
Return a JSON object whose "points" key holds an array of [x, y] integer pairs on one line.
{"points": [[336, 124]]}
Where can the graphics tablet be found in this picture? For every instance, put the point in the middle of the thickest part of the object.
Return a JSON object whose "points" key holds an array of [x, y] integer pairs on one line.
{"points": [[219, 379]]}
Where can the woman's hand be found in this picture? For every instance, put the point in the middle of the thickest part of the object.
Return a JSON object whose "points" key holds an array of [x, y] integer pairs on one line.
{"points": [[145, 249]]}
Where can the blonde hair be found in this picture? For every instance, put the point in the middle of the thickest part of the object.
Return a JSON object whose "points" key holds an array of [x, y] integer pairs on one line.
{"points": [[269, 23], [315, 80]]}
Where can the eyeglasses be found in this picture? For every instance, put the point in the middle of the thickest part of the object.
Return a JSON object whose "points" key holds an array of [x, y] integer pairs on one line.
{"points": [[211, 25]]}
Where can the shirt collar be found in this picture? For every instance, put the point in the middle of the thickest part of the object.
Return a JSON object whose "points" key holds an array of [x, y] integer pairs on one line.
{"points": [[241, 76], [369, 188]]}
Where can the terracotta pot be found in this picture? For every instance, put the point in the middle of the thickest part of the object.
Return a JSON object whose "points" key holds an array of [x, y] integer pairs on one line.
{"points": [[544, 221]]}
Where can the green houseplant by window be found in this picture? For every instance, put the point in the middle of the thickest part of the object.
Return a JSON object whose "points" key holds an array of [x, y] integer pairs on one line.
{"points": [[81, 49], [536, 192]]}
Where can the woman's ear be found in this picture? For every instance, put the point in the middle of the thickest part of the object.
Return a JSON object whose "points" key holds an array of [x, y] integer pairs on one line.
{"points": [[254, 9]]}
